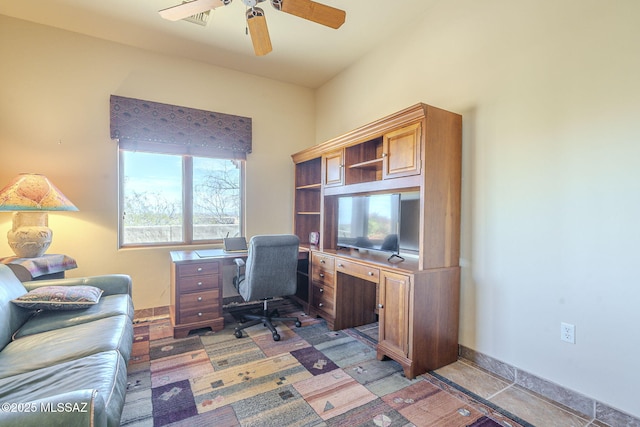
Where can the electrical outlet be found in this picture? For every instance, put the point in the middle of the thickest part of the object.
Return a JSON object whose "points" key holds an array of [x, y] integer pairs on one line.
{"points": [[568, 332]]}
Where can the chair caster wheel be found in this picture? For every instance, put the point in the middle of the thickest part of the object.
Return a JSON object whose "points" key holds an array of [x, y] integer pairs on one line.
{"points": [[298, 324], [276, 337], [238, 334]]}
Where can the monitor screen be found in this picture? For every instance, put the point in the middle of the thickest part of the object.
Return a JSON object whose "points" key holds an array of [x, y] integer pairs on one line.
{"points": [[369, 222]]}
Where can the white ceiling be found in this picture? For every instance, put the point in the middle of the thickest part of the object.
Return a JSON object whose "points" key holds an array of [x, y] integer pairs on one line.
{"points": [[304, 53]]}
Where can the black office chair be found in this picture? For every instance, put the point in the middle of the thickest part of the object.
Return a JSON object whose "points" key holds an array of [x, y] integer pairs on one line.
{"points": [[270, 271]]}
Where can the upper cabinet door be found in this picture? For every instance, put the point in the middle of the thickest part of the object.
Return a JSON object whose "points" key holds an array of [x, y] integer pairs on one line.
{"points": [[401, 152], [333, 168]]}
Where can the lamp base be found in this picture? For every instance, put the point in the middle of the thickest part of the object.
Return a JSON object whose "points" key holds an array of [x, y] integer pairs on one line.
{"points": [[30, 235]]}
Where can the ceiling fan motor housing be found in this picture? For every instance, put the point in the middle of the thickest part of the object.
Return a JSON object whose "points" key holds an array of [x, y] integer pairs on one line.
{"points": [[251, 3]]}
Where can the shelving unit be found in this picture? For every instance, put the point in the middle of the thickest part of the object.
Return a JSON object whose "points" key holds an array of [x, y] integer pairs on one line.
{"points": [[307, 199], [416, 301]]}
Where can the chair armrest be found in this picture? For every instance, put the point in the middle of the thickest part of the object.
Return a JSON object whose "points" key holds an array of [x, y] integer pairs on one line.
{"points": [[111, 284], [239, 277], [75, 408]]}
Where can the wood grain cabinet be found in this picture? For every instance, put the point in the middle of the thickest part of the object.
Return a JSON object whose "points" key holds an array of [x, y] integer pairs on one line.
{"points": [[307, 198], [401, 152], [323, 295], [394, 314], [333, 167], [196, 293], [418, 318], [416, 301]]}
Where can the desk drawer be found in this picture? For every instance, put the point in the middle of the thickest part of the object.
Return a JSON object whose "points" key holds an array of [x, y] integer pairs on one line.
{"points": [[193, 316], [323, 299], [197, 283], [358, 270], [322, 277], [322, 269], [197, 269], [200, 301]]}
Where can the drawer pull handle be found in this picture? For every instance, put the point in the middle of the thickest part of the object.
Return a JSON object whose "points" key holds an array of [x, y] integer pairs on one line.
{"points": [[322, 261], [321, 305], [370, 273], [380, 306], [340, 265], [199, 298], [321, 290], [199, 283], [321, 274], [199, 269], [199, 314]]}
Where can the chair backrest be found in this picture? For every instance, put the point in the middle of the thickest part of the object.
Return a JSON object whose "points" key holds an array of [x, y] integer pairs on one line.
{"points": [[270, 267]]}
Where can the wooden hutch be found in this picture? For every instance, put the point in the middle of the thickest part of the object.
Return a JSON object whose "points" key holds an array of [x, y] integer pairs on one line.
{"points": [[416, 301]]}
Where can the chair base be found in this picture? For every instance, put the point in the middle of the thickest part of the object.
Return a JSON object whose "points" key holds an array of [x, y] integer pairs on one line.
{"points": [[265, 318]]}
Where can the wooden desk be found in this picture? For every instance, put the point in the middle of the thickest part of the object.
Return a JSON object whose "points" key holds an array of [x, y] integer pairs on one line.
{"points": [[197, 288], [417, 309]]}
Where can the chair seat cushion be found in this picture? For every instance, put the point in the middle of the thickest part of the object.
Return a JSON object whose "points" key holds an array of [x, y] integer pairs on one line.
{"points": [[58, 346]]}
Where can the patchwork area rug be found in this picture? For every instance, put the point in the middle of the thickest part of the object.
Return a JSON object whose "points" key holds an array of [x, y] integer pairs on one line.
{"points": [[312, 377]]}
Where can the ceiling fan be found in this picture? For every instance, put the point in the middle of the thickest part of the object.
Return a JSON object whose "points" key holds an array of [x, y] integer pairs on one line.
{"points": [[256, 21]]}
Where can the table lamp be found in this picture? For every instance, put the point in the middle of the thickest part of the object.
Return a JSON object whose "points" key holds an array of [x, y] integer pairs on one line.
{"points": [[30, 196]]}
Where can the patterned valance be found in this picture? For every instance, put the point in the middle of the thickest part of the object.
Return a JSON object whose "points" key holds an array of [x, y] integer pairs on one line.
{"points": [[152, 126]]}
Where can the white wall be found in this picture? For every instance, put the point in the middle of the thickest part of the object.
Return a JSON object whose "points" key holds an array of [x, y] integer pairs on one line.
{"points": [[550, 98], [54, 119]]}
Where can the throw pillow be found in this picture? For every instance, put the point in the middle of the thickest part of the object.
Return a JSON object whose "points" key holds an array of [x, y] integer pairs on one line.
{"points": [[60, 298]]}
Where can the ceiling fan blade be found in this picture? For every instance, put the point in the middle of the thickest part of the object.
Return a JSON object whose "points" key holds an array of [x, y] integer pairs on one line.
{"points": [[259, 32], [185, 10], [316, 12]]}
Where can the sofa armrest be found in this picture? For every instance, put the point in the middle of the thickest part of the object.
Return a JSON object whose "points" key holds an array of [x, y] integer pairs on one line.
{"points": [[73, 409], [111, 284]]}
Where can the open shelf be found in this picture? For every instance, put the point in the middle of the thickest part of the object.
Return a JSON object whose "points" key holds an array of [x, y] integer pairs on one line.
{"points": [[369, 164], [309, 187]]}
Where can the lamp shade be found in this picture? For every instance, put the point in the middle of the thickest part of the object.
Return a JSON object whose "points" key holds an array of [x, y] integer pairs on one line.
{"points": [[33, 192]]}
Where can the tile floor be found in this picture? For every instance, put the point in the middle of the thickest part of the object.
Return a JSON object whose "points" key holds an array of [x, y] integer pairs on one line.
{"points": [[512, 397]]}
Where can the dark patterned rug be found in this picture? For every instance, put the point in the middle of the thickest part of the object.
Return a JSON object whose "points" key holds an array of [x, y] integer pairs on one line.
{"points": [[312, 377]]}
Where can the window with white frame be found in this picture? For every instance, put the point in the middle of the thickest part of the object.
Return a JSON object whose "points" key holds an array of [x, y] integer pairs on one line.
{"points": [[179, 199]]}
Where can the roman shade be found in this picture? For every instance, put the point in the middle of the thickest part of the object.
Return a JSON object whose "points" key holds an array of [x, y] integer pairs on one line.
{"points": [[152, 126]]}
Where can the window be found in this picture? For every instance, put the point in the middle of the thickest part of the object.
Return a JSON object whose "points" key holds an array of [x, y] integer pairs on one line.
{"points": [[181, 172], [179, 199]]}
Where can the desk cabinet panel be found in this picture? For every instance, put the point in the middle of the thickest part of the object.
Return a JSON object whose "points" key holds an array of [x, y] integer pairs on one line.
{"points": [[324, 300], [323, 287], [418, 327], [196, 294], [393, 305]]}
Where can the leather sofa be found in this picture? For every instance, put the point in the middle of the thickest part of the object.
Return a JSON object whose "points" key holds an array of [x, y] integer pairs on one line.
{"points": [[64, 367]]}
